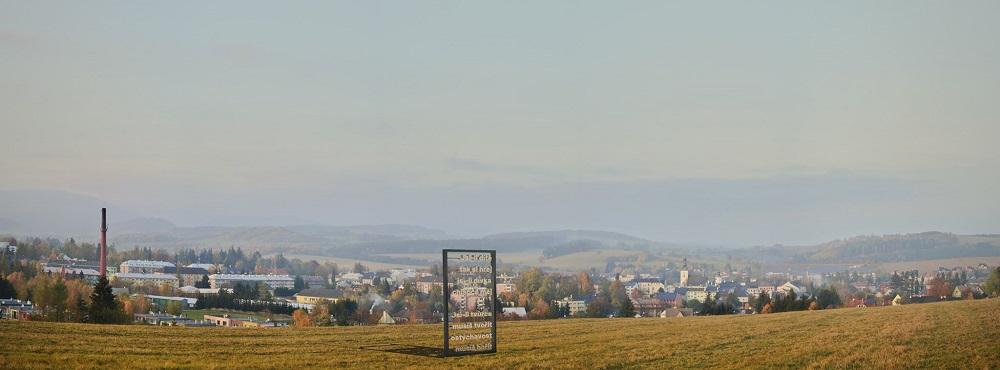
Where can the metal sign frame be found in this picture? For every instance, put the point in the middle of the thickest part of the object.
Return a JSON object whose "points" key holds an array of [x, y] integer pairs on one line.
{"points": [[446, 296]]}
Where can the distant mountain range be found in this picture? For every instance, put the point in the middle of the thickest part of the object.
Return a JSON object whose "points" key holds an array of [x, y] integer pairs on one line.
{"points": [[54, 213], [562, 236], [905, 247], [882, 249], [62, 215], [304, 239], [59, 214]]}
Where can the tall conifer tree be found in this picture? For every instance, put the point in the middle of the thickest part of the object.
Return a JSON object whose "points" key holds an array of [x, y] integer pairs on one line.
{"points": [[104, 309]]}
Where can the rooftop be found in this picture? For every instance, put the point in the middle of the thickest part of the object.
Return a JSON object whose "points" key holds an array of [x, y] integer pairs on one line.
{"points": [[147, 263], [186, 270], [252, 277], [133, 275], [321, 292], [70, 270], [647, 280]]}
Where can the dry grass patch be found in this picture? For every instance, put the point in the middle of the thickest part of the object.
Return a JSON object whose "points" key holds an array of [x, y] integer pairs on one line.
{"points": [[940, 335]]}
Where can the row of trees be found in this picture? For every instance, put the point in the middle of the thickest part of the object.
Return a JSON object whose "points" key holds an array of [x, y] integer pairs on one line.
{"points": [[786, 303], [536, 290], [332, 313], [52, 249], [105, 309], [992, 285], [58, 299], [236, 258], [55, 297], [907, 283], [38, 248], [712, 306], [244, 297]]}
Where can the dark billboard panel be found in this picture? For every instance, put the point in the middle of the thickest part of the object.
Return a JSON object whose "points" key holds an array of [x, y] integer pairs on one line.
{"points": [[470, 294]]}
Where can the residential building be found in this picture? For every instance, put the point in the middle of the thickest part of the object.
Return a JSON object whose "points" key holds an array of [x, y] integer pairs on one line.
{"points": [[143, 278], [767, 288], [676, 312], [247, 322], [400, 275], [161, 319], [646, 286], [962, 291], [505, 284], [515, 312], [648, 306], [314, 281], [230, 280], [860, 303], [386, 319], [188, 275], [368, 278], [90, 275], [426, 284], [162, 301], [629, 289], [318, 295], [474, 300], [352, 279], [789, 287], [79, 264], [16, 309], [192, 290], [696, 293], [672, 299], [575, 307], [144, 266], [207, 266]]}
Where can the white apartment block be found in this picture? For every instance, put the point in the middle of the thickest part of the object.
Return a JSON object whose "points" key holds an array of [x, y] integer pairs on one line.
{"points": [[139, 278], [144, 266], [272, 281]]}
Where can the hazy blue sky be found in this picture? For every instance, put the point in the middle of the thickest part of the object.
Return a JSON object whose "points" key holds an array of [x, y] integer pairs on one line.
{"points": [[727, 122]]}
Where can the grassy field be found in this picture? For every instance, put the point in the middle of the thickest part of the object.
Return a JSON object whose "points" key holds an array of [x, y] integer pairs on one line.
{"points": [[962, 334]]}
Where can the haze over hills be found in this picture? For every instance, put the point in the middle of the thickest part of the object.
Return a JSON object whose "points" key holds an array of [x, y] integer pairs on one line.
{"points": [[906, 247], [54, 213], [62, 215], [572, 235]]}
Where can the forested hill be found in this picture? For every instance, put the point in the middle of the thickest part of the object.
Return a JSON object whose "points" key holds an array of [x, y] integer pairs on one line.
{"points": [[905, 247], [550, 243], [563, 236]]}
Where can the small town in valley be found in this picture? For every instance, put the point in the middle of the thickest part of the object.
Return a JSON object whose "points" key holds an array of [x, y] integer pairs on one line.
{"points": [[44, 280], [492, 185]]}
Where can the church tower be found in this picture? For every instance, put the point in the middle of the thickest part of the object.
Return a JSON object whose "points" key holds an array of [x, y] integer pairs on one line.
{"points": [[684, 273]]}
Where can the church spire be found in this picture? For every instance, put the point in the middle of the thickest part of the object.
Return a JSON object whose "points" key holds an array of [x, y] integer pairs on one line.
{"points": [[684, 273]]}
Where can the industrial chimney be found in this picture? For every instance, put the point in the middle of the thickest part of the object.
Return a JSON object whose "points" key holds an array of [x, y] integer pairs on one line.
{"points": [[104, 242]]}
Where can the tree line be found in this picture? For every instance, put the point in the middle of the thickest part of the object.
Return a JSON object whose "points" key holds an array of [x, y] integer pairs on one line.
{"points": [[244, 297]]}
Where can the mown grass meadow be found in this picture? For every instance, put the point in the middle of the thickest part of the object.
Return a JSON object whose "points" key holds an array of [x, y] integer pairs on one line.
{"points": [[962, 334]]}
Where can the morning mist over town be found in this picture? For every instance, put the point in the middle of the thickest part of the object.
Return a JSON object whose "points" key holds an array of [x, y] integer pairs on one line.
{"points": [[308, 169]]}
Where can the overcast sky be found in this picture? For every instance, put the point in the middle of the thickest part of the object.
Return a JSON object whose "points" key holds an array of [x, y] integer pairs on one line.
{"points": [[770, 122]]}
